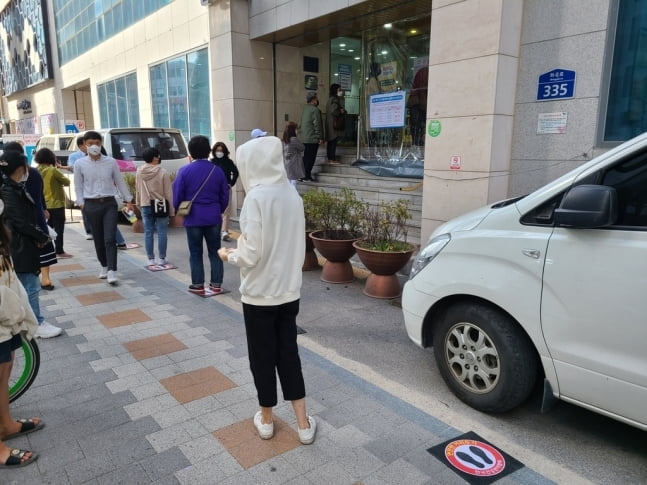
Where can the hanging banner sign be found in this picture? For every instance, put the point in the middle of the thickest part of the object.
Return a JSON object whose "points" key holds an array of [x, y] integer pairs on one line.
{"points": [[345, 76], [387, 110]]}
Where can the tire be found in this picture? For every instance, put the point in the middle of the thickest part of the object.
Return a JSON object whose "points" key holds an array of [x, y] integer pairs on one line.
{"points": [[25, 368], [484, 357]]}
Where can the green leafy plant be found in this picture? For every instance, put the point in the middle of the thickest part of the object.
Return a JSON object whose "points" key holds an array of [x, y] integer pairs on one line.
{"points": [[385, 226], [129, 178], [338, 215]]}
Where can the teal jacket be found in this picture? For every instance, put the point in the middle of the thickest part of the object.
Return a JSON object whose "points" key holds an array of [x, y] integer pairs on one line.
{"points": [[311, 130]]}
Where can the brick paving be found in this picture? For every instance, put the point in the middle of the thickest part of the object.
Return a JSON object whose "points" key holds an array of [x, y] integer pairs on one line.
{"points": [[151, 385]]}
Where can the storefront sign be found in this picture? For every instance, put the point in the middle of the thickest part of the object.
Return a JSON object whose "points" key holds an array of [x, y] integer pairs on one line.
{"points": [[387, 77], [345, 76], [49, 124], [552, 123], [74, 126], [388, 110], [556, 84]]}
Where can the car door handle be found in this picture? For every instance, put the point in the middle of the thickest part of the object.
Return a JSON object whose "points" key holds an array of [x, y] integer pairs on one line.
{"points": [[531, 253]]}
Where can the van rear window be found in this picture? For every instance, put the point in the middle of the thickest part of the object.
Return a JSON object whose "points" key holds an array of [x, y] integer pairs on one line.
{"points": [[131, 145]]}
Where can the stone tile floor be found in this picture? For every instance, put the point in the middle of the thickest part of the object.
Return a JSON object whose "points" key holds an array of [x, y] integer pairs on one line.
{"points": [[151, 385]]}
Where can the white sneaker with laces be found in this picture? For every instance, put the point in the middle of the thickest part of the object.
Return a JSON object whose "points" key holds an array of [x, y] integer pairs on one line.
{"points": [[104, 273], [151, 262], [47, 330], [112, 277], [161, 261], [265, 431], [307, 436]]}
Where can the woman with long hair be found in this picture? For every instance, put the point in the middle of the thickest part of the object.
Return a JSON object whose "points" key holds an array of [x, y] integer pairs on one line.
{"points": [[293, 153], [17, 321], [220, 157]]}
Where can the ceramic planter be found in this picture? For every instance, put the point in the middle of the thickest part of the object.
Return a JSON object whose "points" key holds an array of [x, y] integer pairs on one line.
{"points": [[337, 268], [383, 265]]}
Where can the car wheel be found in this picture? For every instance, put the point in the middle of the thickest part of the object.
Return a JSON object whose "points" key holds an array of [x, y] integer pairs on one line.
{"points": [[484, 357]]}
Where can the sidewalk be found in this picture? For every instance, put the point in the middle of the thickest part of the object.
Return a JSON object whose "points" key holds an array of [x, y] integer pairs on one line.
{"points": [[151, 384]]}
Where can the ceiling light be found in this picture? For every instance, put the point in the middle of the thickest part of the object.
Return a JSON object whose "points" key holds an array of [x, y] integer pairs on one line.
{"points": [[351, 50], [342, 45], [357, 58], [388, 26], [413, 31], [385, 52]]}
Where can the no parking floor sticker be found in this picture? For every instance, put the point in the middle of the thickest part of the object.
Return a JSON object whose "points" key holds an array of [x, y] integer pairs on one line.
{"points": [[474, 459]]}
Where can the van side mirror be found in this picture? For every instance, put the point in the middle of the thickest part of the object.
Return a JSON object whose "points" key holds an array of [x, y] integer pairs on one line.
{"points": [[588, 207]]}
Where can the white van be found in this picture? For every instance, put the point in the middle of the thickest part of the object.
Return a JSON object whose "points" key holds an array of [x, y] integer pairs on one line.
{"points": [[552, 285]]}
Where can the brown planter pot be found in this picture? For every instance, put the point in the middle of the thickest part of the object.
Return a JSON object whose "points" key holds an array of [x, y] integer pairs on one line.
{"points": [[337, 268], [382, 282], [138, 226], [310, 261], [176, 221]]}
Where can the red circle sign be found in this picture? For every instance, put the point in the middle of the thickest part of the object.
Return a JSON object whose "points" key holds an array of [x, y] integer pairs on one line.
{"points": [[475, 458]]}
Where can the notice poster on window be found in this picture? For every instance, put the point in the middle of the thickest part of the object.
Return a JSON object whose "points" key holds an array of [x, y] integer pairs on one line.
{"points": [[345, 76], [387, 110], [387, 77]]}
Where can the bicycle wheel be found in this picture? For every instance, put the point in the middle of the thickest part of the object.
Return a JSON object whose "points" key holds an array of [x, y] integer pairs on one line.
{"points": [[26, 361]]}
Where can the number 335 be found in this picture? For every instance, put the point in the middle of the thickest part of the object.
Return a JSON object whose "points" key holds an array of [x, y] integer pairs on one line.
{"points": [[552, 90]]}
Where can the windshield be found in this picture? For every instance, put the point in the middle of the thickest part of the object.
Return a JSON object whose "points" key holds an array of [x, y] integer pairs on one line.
{"points": [[130, 145]]}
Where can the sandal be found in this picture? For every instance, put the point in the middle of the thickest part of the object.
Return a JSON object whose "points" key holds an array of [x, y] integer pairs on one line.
{"points": [[15, 459], [26, 426]]}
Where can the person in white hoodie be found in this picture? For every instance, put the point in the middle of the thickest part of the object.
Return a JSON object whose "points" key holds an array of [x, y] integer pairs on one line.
{"points": [[270, 253]]}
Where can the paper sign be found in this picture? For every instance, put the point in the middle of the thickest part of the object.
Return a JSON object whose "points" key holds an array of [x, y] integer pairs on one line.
{"points": [[387, 110], [552, 123]]}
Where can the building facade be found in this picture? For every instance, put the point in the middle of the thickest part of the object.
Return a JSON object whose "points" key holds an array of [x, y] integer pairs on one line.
{"points": [[478, 99]]}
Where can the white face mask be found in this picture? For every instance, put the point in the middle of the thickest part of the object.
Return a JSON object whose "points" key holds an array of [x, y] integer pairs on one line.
{"points": [[94, 150], [340, 93], [220, 154], [25, 176]]}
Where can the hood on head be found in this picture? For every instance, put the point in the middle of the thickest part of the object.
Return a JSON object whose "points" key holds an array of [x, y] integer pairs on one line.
{"points": [[260, 162], [149, 171]]}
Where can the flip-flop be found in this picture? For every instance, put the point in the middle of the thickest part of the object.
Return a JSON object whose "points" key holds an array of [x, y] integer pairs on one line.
{"points": [[26, 426], [15, 459]]}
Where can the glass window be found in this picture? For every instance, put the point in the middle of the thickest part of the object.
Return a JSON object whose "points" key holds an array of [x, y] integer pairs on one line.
{"points": [[626, 114], [630, 181], [179, 91], [118, 102]]}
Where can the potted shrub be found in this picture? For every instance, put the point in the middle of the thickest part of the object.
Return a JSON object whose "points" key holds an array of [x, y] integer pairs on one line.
{"points": [[312, 201], [384, 249], [339, 217]]}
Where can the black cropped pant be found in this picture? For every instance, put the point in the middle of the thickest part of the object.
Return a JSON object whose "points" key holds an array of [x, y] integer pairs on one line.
{"points": [[272, 348]]}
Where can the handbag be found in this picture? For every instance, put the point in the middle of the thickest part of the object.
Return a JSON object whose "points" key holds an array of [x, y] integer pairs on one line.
{"points": [[184, 209], [339, 122], [159, 207]]}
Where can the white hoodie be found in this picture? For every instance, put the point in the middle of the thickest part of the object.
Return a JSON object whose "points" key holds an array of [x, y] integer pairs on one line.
{"points": [[271, 246]]}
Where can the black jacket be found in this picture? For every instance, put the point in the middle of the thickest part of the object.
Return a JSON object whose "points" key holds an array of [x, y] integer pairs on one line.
{"points": [[227, 166], [20, 213]]}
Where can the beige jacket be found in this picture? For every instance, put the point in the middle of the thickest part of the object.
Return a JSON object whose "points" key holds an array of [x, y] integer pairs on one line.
{"points": [[16, 316], [153, 182]]}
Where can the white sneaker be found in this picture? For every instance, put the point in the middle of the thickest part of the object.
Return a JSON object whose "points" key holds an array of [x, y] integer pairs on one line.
{"points": [[151, 262], [89, 237], [47, 330], [307, 436], [104, 273], [225, 236], [265, 431], [112, 277], [161, 261]]}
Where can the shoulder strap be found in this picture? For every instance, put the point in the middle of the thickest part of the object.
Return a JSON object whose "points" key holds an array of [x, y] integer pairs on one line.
{"points": [[203, 183]]}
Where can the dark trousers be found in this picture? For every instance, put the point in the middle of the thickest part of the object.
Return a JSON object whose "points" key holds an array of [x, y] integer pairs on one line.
{"points": [[57, 222], [331, 149], [272, 347], [309, 157], [102, 216]]}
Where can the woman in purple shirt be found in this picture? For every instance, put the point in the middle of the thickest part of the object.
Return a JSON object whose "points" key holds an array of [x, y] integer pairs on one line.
{"points": [[205, 184]]}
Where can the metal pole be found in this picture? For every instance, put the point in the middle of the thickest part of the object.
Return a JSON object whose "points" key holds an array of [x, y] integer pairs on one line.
{"points": [[359, 125]]}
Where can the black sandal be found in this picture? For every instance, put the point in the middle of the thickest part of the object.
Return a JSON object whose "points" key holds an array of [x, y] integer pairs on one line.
{"points": [[15, 459]]}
